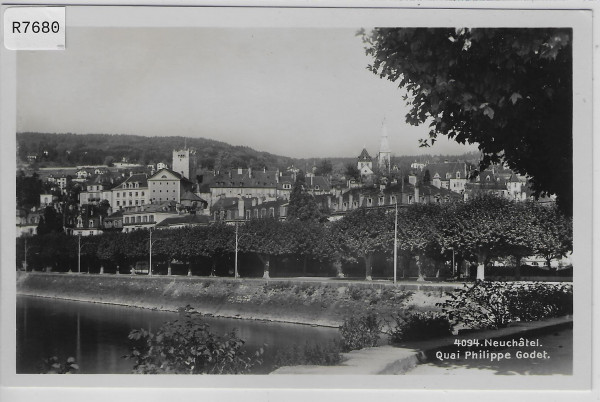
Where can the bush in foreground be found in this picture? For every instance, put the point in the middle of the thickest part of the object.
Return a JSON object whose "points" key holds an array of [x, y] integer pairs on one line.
{"points": [[496, 304], [416, 326], [360, 331], [187, 346]]}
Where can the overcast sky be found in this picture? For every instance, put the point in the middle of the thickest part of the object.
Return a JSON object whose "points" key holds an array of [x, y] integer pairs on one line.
{"points": [[293, 92]]}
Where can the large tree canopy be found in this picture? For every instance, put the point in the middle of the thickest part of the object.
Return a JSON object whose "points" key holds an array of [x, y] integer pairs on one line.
{"points": [[507, 90]]}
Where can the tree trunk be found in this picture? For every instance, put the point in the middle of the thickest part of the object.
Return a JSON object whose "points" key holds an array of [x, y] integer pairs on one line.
{"points": [[337, 264], [101, 269], [169, 268], [369, 267], [481, 257], [517, 267], [267, 263], [305, 263], [189, 268], [420, 277], [213, 269], [117, 270]]}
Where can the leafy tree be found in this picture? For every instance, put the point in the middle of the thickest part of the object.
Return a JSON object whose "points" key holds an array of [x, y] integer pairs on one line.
{"points": [[480, 229], [418, 235], [324, 168], [302, 206], [29, 189], [426, 177], [554, 235], [366, 232], [50, 222], [352, 171], [507, 90], [522, 232]]}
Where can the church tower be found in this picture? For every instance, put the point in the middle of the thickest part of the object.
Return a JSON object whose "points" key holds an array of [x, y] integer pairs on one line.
{"points": [[385, 153], [184, 162]]}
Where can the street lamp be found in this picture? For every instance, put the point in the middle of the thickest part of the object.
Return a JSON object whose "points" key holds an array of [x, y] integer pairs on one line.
{"points": [[151, 243], [237, 239], [396, 241], [26, 248], [79, 247]]}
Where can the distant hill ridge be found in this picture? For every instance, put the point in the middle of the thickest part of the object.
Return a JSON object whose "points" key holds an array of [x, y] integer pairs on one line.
{"points": [[78, 149], [93, 149]]}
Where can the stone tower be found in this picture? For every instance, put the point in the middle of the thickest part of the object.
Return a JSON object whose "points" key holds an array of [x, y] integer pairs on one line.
{"points": [[184, 162]]}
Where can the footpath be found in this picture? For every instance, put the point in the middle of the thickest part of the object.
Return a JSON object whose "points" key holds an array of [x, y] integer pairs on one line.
{"points": [[399, 359]]}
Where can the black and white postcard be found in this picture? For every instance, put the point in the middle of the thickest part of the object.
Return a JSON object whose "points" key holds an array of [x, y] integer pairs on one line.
{"points": [[291, 199]]}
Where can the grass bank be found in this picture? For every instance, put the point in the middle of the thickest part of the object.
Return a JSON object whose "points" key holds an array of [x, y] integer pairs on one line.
{"points": [[314, 303]]}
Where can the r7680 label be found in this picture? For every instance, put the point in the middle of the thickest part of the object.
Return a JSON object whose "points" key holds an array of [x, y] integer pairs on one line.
{"points": [[35, 26]]}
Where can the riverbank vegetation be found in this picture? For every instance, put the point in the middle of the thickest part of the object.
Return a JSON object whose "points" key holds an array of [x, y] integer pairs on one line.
{"points": [[188, 346], [300, 302]]}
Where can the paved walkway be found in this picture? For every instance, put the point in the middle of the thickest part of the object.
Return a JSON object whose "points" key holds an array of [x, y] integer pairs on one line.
{"points": [[404, 357]]}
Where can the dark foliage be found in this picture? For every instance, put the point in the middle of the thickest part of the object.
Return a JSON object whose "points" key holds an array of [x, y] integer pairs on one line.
{"points": [[187, 346], [496, 304], [417, 326], [509, 90], [360, 331]]}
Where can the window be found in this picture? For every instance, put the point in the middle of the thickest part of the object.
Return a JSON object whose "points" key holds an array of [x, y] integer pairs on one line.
{"points": [[317, 187], [345, 206], [118, 203], [381, 201], [142, 193], [355, 204], [256, 213], [458, 175], [138, 219], [130, 202], [410, 199], [369, 202], [126, 219], [248, 214], [271, 212], [136, 202], [91, 223], [151, 218], [448, 175], [130, 194], [136, 193], [393, 199]]}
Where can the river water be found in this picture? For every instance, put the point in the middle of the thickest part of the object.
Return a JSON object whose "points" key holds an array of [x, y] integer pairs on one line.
{"points": [[96, 334]]}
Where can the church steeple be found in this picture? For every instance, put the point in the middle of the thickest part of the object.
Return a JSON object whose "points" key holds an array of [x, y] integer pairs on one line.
{"points": [[385, 152]]}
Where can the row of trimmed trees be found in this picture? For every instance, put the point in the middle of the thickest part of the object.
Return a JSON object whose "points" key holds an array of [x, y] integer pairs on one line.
{"points": [[475, 231]]}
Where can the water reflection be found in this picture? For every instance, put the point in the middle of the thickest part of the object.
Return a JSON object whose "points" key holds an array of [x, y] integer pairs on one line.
{"points": [[96, 335]]}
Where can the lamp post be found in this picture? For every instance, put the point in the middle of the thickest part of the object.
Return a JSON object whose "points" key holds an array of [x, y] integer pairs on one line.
{"points": [[79, 253], [396, 241], [150, 260], [79, 247], [237, 242]]}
